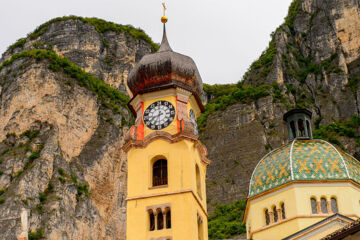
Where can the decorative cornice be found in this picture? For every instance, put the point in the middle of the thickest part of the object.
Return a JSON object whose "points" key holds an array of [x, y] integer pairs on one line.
{"points": [[184, 135], [171, 193], [296, 217], [293, 183]]}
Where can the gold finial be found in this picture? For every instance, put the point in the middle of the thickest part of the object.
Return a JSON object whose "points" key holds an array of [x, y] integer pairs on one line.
{"points": [[164, 19]]}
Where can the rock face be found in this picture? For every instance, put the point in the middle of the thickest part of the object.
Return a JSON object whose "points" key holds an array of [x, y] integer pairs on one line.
{"points": [[60, 150], [109, 55], [314, 62]]}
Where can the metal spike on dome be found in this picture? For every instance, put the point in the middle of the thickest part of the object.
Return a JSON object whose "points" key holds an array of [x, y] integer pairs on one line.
{"points": [[164, 47]]}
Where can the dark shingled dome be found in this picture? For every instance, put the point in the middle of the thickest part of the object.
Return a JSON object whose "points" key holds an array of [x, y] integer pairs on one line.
{"points": [[165, 69]]}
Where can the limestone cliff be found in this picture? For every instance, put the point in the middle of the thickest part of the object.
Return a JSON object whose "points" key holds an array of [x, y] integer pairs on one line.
{"points": [[313, 61], [62, 129]]}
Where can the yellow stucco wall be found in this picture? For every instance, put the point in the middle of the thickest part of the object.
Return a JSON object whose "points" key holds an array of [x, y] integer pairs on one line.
{"points": [[296, 198], [180, 192]]}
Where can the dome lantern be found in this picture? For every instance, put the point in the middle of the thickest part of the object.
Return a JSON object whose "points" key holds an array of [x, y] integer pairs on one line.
{"points": [[298, 123]]}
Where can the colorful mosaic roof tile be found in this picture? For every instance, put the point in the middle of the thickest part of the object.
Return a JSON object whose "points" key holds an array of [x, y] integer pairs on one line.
{"points": [[303, 160]]}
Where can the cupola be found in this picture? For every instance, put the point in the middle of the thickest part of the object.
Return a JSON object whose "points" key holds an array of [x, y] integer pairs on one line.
{"points": [[298, 123], [165, 69]]}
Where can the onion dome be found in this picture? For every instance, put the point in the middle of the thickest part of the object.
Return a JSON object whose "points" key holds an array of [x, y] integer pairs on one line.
{"points": [[305, 161], [165, 69]]}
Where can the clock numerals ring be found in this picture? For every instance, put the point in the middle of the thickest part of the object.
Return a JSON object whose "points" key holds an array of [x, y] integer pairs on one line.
{"points": [[159, 115]]}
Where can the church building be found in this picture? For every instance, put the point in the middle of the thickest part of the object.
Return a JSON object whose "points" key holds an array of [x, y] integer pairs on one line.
{"points": [[306, 189], [166, 198]]}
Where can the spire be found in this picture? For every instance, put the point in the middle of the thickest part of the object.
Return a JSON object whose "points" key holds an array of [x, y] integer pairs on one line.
{"points": [[164, 47]]}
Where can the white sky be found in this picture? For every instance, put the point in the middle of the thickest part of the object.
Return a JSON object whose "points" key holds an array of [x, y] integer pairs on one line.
{"points": [[222, 36]]}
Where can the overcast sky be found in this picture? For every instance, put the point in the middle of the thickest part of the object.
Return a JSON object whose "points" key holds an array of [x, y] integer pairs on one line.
{"points": [[223, 36]]}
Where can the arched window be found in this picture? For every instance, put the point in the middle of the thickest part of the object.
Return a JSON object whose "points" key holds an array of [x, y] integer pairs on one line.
{"points": [[301, 128], [168, 219], [267, 217], [324, 208], [152, 221], [275, 214], [160, 173], [308, 128], [293, 129], [334, 207], [314, 209], [160, 220], [200, 229], [283, 216], [198, 181]]}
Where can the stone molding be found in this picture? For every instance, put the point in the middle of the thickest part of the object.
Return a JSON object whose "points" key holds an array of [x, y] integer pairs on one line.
{"points": [[184, 135]]}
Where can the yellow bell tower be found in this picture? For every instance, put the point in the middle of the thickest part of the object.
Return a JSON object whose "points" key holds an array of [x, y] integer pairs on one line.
{"points": [[167, 163]]}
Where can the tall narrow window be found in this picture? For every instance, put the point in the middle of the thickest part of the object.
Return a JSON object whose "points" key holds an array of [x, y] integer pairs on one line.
{"points": [[198, 181], [152, 221], [168, 219], [324, 208], [160, 221], [160, 176], [314, 206], [308, 128], [301, 128], [293, 129], [200, 229], [276, 217], [267, 217], [334, 207], [283, 216]]}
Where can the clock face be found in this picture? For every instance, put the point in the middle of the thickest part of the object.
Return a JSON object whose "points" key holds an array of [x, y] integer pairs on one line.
{"points": [[193, 120], [159, 115]]}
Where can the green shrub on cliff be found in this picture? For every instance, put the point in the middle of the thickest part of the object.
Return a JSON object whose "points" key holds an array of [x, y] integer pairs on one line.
{"points": [[110, 97], [38, 234], [347, 128], [226, 221], [223, 96], [100, 25]]}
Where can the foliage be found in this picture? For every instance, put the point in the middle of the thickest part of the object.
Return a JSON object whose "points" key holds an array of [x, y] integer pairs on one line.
{"points": [[110, 97], [1, 172], [43, 195], [263, 64], [101, 26], [38, 234], [2, 191], [226, 221], [2, 200], [347, 128], [61, 171], [19, 44], [226, 95], [294, 9], [30, 134], [353, 84], [82, 189]]}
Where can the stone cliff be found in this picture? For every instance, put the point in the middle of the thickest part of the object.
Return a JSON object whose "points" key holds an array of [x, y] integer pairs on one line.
{"points": [[313, 61], [63, 114], [62, 129]]}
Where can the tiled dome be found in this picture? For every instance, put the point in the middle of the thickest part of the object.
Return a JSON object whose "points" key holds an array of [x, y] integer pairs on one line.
{"points": [[165, 69], [303, 160]]}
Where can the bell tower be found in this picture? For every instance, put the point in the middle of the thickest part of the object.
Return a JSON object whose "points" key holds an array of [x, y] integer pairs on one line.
{"points": [[166, 198]]}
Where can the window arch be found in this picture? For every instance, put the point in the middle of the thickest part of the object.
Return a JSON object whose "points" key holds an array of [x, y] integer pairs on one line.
{"points": [[314, 209], [160, 176], [160, 220], [283, 216], [267, 217], [168, 218], [276, 217], [293, 129], [198, 181], [152, 220], [324, 208], [334, 207], [301, 128], [308, 128]]}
